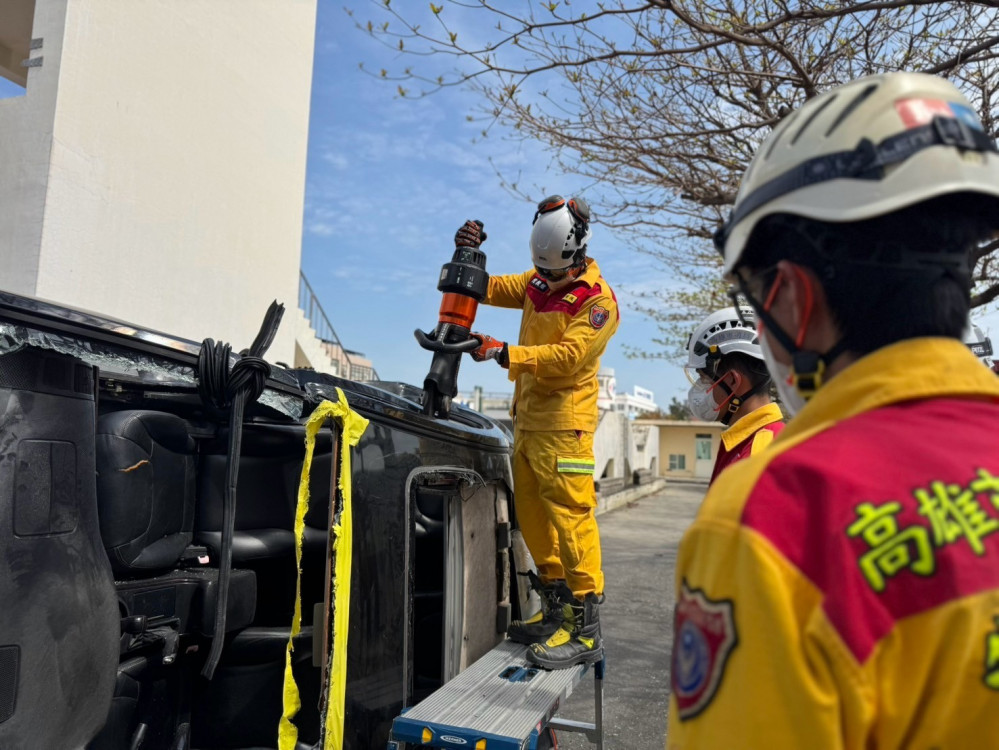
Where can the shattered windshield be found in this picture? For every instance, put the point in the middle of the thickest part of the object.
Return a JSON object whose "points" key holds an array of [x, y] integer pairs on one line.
{"points": [[128, 364], [111, 360]]}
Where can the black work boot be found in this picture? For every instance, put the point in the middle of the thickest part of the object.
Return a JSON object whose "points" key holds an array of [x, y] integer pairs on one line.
{"points": [[576, 642], [554, 608]]}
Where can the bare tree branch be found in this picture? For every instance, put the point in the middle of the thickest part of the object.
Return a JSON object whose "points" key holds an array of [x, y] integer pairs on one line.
{"points": [[660, 105]]}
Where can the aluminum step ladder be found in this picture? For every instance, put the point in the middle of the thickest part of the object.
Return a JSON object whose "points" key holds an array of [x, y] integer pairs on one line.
{"points": [[501, 702]]}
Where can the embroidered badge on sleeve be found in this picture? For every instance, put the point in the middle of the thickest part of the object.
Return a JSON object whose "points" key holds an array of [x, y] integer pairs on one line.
{"points": [[598, 316], [704, 633]]}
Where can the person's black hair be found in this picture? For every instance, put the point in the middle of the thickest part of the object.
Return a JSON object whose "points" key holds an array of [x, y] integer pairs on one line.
{"points": [[894, 277], [753, 369]]}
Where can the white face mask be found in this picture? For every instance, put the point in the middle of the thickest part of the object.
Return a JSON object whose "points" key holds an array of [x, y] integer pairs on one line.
{"points": [[792, 400], [701, 403]]}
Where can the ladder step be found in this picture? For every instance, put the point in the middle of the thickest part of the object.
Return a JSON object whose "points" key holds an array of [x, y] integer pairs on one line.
{"points": [[501, 699]]}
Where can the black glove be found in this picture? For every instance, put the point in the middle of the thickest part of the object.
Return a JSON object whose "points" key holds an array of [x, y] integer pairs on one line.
{"points": [[470, 235]]}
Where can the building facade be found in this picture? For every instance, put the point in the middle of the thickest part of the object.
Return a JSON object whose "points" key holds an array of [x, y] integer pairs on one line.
{"points": [[687, 450], [640, 401], [154, 168]]}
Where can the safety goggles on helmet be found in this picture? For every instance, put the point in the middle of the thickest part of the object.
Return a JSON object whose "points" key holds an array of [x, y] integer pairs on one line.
{"points": [[579, 208], [697, 377], [552, 274]]}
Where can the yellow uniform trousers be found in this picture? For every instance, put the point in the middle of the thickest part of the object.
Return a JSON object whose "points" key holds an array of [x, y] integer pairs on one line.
{"points": [[555, 501]]}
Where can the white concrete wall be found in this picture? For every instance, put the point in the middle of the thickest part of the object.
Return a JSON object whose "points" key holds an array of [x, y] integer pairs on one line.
{"points": [[608, 445], [25, 144], [630, 445], [177, 172], [644, 446]]}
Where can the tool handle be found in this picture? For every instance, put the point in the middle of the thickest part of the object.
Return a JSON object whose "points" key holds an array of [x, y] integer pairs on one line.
{"points": [[427, 342]]}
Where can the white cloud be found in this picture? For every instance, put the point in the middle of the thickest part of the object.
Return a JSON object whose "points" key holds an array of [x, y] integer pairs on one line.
{"points": [[335, 159], [320, 228]]}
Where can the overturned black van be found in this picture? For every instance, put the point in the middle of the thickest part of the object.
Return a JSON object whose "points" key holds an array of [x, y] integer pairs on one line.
{"points": [[113, 478]]}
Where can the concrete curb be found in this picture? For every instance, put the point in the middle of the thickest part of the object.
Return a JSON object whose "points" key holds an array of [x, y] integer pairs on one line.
{"points": [[618, 499], [686, 480]]}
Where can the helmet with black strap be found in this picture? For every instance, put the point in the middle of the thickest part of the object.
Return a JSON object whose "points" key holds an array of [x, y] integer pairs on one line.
{"points": [[560, 235], [865, 150], [726, 336]]}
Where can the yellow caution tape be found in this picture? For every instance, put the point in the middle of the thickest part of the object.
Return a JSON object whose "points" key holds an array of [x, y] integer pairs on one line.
{"points": [[353, 426]]}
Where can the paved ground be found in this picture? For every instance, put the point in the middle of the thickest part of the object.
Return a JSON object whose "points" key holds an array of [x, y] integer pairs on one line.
{"points": [[639, 543]]}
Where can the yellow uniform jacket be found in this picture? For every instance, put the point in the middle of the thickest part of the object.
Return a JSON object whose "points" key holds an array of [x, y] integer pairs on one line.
{"points": [[556, 359], [841, 589]]}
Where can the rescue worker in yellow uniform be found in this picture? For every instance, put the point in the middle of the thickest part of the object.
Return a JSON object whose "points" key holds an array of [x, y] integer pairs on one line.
{"points": [[841, 589], [569, 315], [730, 384]]}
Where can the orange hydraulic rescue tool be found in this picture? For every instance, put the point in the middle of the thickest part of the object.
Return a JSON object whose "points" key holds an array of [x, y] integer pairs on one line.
{"points": [[464, 282]]}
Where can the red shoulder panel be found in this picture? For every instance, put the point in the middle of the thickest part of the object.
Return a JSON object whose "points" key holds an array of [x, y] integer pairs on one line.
{"points": [[889, 514], [568, 300]]}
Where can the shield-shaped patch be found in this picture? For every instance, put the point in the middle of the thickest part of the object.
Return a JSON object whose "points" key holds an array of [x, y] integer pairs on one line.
{"points": [[598, 316], [704, 636]]}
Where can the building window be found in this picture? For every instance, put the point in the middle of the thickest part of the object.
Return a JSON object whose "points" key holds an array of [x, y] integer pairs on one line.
{"points": [[702, 446], [677, 462]]}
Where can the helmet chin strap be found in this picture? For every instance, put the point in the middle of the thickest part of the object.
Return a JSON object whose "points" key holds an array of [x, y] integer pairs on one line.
{"points": [[808, 367], [732, 404]]}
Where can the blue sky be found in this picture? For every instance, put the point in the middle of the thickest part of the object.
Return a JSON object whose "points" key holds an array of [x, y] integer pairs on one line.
{"points": [[8, 89], [389, 182]]}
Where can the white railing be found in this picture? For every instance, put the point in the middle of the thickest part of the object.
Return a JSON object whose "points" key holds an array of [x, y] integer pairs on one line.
{"points": [[309, 303]]}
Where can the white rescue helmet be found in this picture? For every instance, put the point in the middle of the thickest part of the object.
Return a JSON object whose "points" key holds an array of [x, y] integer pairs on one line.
{"points": [[861, 150], [722, 332], [561, 232]]}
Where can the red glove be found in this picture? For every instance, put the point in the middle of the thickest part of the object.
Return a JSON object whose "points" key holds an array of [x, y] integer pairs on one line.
{"points": [[490, 348]]}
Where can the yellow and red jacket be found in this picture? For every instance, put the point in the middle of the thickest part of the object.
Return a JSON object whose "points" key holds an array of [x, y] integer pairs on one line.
{"points": [[747, 436], [841, 589], [556, 359]]}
